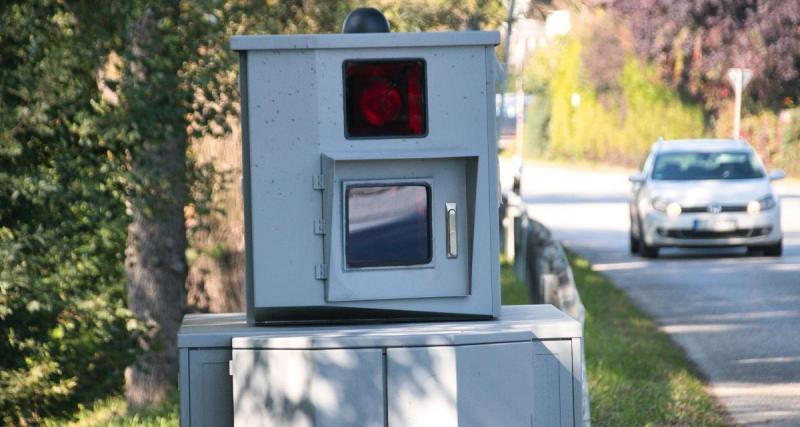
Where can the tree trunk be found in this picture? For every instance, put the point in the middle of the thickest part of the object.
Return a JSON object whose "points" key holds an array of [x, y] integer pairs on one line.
{"points": [[155, 267], [155, 263]]}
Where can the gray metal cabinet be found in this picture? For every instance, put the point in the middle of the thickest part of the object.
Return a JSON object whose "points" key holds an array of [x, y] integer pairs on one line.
{"points": [[521, 370], [209, 387], [333, 387], [553, 383], [299, 160], [471, 385]]}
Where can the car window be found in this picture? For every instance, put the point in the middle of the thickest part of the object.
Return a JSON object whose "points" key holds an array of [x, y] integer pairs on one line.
{"points": [[688, 166]]}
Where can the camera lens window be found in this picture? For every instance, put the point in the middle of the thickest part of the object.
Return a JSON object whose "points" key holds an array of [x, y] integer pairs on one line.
{"points": [[388, 225], [385, 99]]}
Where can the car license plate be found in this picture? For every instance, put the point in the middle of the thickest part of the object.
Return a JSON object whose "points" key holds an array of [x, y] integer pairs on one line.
{"points": [[718, 225]]}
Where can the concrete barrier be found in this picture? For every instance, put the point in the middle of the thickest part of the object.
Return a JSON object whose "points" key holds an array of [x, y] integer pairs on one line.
{"points": [[542, 265]]}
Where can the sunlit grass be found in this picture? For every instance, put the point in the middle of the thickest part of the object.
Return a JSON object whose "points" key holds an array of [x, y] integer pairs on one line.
{"points": [[637, 374], [113, 412], [512, 291]]}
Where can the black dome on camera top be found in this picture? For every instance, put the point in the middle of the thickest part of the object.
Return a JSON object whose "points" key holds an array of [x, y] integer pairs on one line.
{"points": [[365, 20]]}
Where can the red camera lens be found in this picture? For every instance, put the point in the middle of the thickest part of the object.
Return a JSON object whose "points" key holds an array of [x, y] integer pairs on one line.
{"points": [[380, 103], [385, 98]]}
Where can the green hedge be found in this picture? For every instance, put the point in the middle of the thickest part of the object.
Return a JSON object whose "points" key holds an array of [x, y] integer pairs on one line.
{"points": [[616, 125], [64, 329]]}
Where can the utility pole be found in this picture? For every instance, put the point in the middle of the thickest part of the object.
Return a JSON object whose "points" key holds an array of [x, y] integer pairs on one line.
{"points": [[504, 85], [739, 78], [520, 109]]}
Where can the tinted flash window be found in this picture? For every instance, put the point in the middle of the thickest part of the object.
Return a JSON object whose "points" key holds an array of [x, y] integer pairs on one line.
{"points": [[388, 225], [385, 98]]}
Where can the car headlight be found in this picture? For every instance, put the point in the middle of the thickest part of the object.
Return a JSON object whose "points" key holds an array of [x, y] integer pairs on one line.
{"points": [[762, 204], [670, 208]]}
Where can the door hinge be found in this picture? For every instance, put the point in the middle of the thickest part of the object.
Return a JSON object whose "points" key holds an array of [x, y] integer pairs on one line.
{"points": [[321, 271], [319, 182], [230, 367], [319, 226]]}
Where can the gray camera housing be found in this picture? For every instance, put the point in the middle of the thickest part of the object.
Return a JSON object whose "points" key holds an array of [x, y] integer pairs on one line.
{"points": [[298, 164]]}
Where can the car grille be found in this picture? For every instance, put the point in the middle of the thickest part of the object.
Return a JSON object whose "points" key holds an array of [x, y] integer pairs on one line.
{"points": [[702, 209], [701, 234]]}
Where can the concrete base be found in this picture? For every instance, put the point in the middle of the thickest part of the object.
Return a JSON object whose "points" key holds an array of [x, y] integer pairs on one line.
{"points": [[520, 370]]}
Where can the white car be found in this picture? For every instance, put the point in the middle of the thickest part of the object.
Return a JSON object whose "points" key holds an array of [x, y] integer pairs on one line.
{"points": [[704, 193]]}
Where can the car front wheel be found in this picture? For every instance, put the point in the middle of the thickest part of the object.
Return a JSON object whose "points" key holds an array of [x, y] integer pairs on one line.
{"points": [[634, 243], [645, 250]]}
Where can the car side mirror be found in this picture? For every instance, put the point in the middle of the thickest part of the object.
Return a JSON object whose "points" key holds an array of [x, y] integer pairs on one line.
{"points": [[636, 178], [776, 175]]}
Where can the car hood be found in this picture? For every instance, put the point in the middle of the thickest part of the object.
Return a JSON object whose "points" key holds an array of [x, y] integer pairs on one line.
{"points": [[706, 192]]}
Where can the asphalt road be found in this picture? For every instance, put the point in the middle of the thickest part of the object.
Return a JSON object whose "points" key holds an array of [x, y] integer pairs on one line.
{"points": [[737, 316]]}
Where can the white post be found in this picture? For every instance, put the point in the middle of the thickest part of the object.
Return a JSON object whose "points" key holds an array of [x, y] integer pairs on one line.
{"points": [[520, 117], [510, 241], [504, 81], [737, 109], [739, 78]]}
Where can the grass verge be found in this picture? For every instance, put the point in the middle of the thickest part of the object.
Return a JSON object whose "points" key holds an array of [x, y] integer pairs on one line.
{"points": [[512, 291], [637, 374]]}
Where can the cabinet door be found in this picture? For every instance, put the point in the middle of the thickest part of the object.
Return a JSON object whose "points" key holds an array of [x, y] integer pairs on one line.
{"points": [[470, 385], [552, 377], [210, 388], [400, 229], [322, 388]]}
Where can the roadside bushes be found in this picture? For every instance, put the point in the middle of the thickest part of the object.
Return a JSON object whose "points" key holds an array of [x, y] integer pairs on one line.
{"points": [[65, 335], [789, 159], [617, 122], [776, 136], [67, 140], [595, 99]]}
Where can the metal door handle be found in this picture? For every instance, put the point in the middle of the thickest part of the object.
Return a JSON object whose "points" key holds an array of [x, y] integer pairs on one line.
{"points": [[452, 233]]}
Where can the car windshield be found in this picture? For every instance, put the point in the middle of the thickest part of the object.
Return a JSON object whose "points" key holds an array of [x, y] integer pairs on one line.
{"points": [[688, 166]]}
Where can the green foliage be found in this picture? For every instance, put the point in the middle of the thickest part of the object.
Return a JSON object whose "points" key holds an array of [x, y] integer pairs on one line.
{"points": [[694, 43], [70, 124], [537, 124], [65, 334], [789, 155], [440, 15], [652, 109], [776, 137], [616, 124]]}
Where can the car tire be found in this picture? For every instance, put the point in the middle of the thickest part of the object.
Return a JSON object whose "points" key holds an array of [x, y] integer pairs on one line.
{"points": [[774, 250], [647, 251], [634, 243]]}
